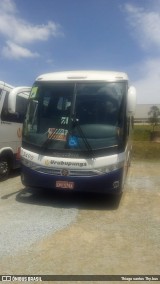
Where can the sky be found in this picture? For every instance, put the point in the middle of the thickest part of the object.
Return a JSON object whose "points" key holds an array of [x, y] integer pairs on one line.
{"points": [[41, 36]]}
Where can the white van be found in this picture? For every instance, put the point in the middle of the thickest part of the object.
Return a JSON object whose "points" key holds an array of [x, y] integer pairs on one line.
{"points": [[13, 103]]}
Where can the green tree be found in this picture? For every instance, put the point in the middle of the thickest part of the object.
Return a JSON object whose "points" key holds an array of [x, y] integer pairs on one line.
{"points": [[154, 114]]}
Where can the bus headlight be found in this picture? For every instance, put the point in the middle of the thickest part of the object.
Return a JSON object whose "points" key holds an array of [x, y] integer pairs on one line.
{"points": [[109, 168]]}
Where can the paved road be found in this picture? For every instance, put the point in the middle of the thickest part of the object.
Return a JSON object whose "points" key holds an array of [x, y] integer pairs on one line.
{"points": [[68, 233]]}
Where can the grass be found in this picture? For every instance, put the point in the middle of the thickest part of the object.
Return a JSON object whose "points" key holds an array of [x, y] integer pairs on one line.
{"points": [[143, 148]]}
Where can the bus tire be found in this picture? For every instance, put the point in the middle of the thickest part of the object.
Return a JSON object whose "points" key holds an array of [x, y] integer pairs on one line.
{"points": [[4, 168]]}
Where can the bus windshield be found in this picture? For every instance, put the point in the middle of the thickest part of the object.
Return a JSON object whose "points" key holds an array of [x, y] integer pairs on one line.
{"points": [[79, 116]]}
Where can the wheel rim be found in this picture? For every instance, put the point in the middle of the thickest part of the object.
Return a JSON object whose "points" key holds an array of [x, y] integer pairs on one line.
{"points": [[4, 169]]}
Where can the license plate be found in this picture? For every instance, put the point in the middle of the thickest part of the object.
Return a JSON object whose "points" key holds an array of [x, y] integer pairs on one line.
{"points": [[64, 184]]}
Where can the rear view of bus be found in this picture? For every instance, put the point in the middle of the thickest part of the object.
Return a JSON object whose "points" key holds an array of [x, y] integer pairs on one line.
{"points": [[76, 134]]}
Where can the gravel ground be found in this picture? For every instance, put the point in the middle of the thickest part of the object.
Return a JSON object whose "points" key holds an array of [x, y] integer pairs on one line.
{"points": [[80, 234], [22, 224]]}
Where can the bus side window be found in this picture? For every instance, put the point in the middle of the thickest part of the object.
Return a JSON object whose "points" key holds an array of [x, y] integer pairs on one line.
{"points": [[20, 108], [4, 113], [0, 93]]}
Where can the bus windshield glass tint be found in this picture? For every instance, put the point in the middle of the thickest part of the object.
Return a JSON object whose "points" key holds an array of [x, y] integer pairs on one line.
{"points": [[62, 116]]}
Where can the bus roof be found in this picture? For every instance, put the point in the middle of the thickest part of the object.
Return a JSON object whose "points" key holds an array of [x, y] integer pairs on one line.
{"points": [[4, 84], [110, 76]]}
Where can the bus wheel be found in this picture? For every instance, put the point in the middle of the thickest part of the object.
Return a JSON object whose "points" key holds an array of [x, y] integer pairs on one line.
{"points": [[4, 168]]}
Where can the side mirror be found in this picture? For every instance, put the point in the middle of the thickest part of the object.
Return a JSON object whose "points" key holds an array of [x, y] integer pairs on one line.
{"points": [[14, 97], [131, 100]]}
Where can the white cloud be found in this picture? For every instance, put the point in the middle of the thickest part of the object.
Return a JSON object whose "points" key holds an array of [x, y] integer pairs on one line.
{"points": [[22, 32], [8, 6], [148, 86], [19, 32], [145, 25], [14, 51]]}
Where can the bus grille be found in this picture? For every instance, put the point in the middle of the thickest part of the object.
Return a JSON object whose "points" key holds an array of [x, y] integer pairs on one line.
{"points": [[58, 172]]}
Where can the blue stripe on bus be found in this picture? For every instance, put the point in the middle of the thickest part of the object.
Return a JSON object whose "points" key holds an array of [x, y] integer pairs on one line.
{"points": [[109, 182]]}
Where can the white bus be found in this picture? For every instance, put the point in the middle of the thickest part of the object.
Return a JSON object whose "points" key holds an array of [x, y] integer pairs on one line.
{"points": [[76, 133], [13, 104]]}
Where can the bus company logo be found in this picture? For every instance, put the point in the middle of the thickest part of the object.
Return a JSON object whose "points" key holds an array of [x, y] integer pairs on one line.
{"points": [[6, 278], [69, 164], [65, 172], [47, 162], [19, 132]]}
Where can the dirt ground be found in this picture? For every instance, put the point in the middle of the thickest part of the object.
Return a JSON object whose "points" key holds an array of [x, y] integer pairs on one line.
{"points": [[103, 238]]}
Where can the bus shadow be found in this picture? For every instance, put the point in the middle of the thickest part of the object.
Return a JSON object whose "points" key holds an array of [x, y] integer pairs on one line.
{"points": [[14, 173], [63, 199]]}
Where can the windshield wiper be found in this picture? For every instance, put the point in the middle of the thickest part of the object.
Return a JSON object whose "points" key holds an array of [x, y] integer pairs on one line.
{"points": [[75, 123]]}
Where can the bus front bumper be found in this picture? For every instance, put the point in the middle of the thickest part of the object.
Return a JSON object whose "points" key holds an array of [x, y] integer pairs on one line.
{"points": [[105, 183]]}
